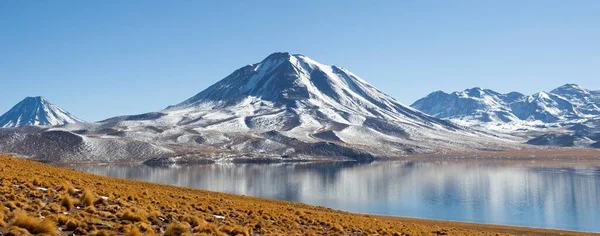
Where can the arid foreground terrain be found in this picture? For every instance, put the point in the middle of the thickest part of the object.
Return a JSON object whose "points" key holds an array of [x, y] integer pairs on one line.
{"points": [[41, 199]]}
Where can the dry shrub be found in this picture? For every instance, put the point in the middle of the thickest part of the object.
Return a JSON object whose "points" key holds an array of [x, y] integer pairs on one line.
{"points": [[38, 202], [132, 216], [102, 233], [101, 201], [55, 208], [337, 228], [90, 209], [87, 198], [192, 220], [2, 223], [62, 219], [14, 230], [143, 227], [133, 231], [175, 229], [11, 205], [204, 227], [71, 225], [237, 230], [155, 216], [66, 186], [33, 225], [67, 202], [105, 214]]}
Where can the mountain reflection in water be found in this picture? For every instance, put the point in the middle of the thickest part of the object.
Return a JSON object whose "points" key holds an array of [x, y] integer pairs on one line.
{"points": [[494, 193]]}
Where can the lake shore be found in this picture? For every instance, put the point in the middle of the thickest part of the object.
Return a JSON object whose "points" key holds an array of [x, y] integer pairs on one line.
{"points": [[546, 155], [118, 206], [559, 156]]}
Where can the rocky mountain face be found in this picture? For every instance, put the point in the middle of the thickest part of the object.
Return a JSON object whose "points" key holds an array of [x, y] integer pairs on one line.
{"points": [[585, 101], [298, 91], [286, 107], [36, 111], [565, 116], [472, 104], [566, 103]]}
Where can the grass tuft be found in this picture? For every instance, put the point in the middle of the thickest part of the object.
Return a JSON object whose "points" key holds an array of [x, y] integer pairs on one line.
{"points": [[67, 202], [205, 227], [71, 225], [33, 225], [87, 198], [2, 223], [177, 229], [132, 216], [133, 231]]}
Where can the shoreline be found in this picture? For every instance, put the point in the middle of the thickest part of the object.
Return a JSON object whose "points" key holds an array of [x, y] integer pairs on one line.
{"points": [[548, 155], [196, 202]]}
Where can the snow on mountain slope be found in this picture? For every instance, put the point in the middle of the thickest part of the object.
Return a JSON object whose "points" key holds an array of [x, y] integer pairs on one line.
{"points": [[566, 116], [58, 145], [587, 102], [36, 111], [290, 106], [298, 82], [286, 107], [513, 111], [472, 104], [545, 107]]}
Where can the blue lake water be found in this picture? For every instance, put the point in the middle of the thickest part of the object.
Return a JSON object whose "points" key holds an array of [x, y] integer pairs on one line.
{"points": [[493, 193]]}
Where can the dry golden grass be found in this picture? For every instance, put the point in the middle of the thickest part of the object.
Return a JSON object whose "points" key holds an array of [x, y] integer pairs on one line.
{"points": [[32, 224], [86, 204], [87, 198], [67, 202], [177, 229]]}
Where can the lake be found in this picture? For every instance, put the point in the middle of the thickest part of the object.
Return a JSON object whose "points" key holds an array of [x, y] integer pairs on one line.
{"points": [[517, 194]]}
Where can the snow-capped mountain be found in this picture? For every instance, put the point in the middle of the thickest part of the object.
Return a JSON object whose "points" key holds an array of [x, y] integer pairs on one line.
{"points": [[585, 101], [472, 104], [286, 107], [544, 107], [36, 111], [565, 116], [483, 106], [301, 87]]}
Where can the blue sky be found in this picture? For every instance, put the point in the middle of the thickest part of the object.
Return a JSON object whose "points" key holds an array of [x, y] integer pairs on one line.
{"points": [[99, 59]]}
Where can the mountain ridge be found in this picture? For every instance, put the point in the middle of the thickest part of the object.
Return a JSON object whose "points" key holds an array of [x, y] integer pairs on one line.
{"points": [[565, 103]]}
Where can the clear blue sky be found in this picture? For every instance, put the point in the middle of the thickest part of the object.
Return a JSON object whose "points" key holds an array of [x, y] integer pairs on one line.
{"points": [[99, 59]]}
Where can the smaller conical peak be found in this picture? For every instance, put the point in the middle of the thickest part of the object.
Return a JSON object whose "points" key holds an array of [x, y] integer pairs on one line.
{"points": [[36, 111]]}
